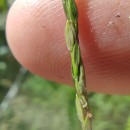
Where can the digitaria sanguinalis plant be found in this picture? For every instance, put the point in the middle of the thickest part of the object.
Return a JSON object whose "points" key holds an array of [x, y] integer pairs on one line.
{"points": [[78, 73]]}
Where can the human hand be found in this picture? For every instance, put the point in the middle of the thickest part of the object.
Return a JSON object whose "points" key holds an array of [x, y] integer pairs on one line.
{"points": [[35, 33]]}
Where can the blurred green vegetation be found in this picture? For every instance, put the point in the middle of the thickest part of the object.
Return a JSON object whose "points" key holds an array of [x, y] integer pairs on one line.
{"points": [[44, 105]]}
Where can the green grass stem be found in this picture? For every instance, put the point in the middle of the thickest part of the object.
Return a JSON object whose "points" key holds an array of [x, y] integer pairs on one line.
{"points": [[78, 72]]}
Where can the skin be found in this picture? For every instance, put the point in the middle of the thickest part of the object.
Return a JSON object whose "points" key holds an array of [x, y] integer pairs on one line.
{"points": [[35, 33]]}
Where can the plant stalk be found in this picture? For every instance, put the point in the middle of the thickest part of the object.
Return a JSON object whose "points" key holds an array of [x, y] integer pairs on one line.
{"points": [[78, 72]]}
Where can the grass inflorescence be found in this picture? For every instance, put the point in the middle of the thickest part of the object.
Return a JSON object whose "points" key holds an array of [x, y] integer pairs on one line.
{"points": [[78, 72]]}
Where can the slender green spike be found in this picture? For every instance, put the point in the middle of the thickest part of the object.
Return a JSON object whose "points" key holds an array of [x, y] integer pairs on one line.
{"points": [[70, 9], [75, 58], [78, 72], [76, 55]]}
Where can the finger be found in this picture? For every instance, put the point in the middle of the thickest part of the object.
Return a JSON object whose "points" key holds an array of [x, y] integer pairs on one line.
{"points": [[35, 33]]}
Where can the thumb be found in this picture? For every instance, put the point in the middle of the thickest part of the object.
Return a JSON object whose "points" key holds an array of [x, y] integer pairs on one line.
{"points": [[35, 33]]}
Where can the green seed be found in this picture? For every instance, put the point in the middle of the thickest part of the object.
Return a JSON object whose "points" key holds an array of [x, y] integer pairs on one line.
{"points": [[70, 40]]}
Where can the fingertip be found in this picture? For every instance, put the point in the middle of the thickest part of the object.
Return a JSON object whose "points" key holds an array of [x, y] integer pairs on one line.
{"points": [[35, 33]]}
